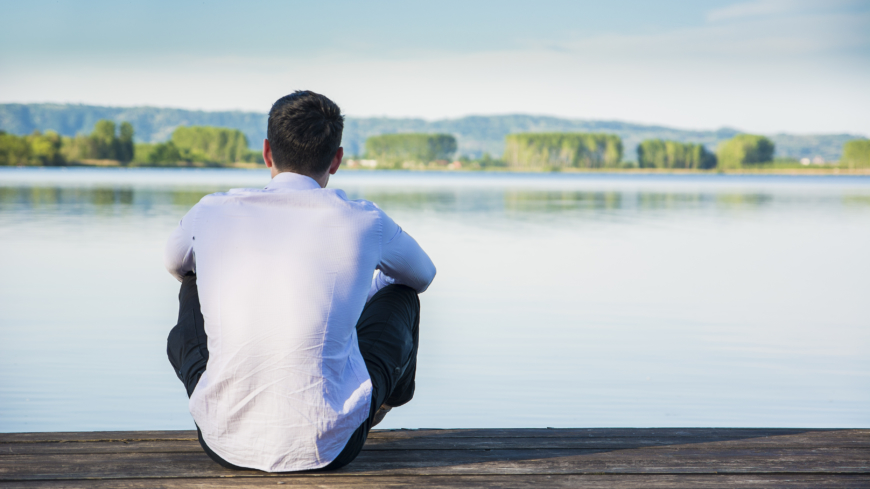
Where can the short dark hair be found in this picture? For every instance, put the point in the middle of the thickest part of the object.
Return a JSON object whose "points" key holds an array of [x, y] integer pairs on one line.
{"points": [[304, 132]]}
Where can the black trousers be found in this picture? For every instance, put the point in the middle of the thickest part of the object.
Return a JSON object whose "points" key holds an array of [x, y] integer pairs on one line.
{"points": [[388, 337]]}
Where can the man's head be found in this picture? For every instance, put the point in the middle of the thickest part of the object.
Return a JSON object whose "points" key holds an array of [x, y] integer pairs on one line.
{"points": [[304, 134]]}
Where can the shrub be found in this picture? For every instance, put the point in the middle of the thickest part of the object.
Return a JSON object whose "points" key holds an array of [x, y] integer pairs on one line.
{"points": [[210, 144], [658, 153], [395, 149], [856, 153], [743, 150], [558, 150]]}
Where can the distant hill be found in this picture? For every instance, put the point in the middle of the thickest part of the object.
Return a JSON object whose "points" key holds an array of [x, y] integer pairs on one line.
{"points": [[151, 124], [475, 134]]}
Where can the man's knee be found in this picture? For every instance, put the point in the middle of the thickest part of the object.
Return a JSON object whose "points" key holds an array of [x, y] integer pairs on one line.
{"points": [[393, 311], [397, 299], [388, 336]]}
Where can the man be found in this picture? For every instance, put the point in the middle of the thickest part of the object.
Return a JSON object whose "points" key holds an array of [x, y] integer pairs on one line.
{"points": [[289, 349]]}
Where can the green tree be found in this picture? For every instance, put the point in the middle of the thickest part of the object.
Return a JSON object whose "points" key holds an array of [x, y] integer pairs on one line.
{"points": [[126, 147], [158, 154], [563, 149], [35, 149], [103, 143], [658, 153], [253, 156], [14, 150], [744, 150], [45, 148], [165, 153], [856, 153], [395, 149], [211, 144]]}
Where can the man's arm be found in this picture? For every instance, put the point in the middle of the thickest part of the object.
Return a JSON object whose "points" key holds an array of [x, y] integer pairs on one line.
{"points": [[403, 261], [178, 257]]}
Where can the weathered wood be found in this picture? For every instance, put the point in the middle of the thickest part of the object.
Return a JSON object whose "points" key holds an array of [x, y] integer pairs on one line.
{"points": [[84, 436], [432, 440], [602, 432], [500, 481], [464, 458], [786, 439], [697, 433], [449, 462]]}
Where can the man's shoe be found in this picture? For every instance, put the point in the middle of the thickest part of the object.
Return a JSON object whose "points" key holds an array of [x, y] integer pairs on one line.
{"points": [[379, 415]]}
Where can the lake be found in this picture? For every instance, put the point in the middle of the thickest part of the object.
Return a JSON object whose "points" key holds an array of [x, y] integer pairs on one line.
{"points": [[562, 300]]}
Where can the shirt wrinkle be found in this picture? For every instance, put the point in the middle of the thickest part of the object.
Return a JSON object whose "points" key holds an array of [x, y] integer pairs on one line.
{"points": [[398, 232]]}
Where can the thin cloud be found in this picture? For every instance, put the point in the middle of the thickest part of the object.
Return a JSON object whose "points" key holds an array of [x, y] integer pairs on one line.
{"points": [[754, 9], [764, 8], [801, 38]]}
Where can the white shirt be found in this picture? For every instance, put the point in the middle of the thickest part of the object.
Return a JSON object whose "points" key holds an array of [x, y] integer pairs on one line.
{"points": [[283, 274]]}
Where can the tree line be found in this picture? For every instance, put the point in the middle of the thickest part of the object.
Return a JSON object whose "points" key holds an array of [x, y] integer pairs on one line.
{"points": [[476, 134], [396, 150], [209, 145], [572, 150], [596, 150], [555, 151], [108, 141], [195, 144], [114, 142], [563, 150], [659, 153]]}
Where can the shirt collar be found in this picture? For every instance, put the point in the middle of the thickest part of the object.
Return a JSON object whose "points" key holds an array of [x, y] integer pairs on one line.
{"points": [[292, 181]]}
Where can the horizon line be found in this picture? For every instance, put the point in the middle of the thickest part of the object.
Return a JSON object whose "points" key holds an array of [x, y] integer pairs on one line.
{"points": [[431, 120]]}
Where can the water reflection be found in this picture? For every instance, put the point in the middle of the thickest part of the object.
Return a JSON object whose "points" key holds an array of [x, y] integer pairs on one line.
{"points": [[89, 199], [542, 201], [62, 196]]}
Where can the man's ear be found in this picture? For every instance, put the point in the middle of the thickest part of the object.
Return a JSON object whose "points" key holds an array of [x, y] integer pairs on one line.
{"points": [[267, 154], [336, 161]]}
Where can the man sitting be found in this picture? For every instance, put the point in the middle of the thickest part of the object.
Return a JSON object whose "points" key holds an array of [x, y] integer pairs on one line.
{"points": [[289, 349]]}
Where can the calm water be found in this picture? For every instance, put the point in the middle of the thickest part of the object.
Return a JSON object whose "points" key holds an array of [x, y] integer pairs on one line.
{"points": [[561, 300]]}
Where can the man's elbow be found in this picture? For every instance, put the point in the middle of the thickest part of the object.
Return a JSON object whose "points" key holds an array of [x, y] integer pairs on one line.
{"points": [[174, 266], [175, 272], [427, 277]]}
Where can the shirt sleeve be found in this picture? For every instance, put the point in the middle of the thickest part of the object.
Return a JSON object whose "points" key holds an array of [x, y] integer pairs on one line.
{"points": [[179, 257], [403, 261]]}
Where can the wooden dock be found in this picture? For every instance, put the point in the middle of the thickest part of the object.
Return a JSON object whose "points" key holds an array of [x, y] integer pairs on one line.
{"points": [[632, 458]]}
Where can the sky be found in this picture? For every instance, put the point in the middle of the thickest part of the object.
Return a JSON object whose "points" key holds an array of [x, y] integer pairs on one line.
{"points": [[767, 66]]}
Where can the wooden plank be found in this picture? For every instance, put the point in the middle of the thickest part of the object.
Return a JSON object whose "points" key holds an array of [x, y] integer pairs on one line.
{"points": [[105, 436], [661, 460], [97, 447], [432, 441], [710, 433], [606, 432], [649, 460], [512, 482]]}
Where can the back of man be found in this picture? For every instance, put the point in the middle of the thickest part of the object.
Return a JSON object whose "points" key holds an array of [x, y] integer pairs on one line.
{"points": [[283, 274]]}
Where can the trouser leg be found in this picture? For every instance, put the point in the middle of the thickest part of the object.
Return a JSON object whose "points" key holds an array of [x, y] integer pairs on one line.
{"points": [[187, 345], [388, 333], [187, 348]]}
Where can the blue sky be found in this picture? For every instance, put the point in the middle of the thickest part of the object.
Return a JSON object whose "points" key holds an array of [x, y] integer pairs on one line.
{"points": [[759, 65]]}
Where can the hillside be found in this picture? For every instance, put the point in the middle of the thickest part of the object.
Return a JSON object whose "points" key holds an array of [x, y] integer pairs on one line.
{"points": [[475, 134]]}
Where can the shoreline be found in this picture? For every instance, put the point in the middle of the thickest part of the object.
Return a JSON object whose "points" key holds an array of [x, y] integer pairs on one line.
{"points": [[627, 171]]}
